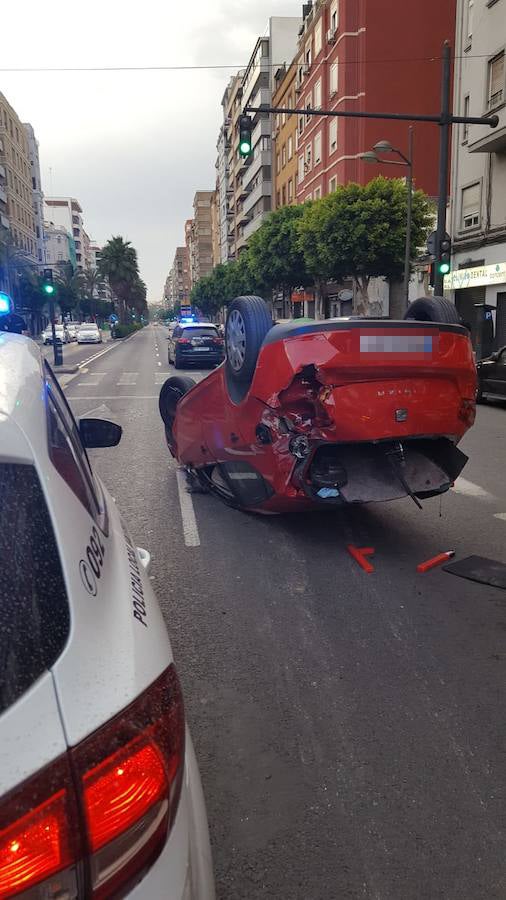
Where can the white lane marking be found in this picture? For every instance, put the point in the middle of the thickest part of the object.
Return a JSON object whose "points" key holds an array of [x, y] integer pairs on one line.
{"points": [[469, 489], [500, 516], [127, 378], [119, 397], [97, 409], [92, 380], [190, 530]]}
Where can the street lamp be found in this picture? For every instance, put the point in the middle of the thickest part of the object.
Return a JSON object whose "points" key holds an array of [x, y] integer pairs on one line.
{"points": [[371, 156]]}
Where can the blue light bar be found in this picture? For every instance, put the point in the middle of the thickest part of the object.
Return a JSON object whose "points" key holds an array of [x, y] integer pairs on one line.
{"points": [[5, 303]]}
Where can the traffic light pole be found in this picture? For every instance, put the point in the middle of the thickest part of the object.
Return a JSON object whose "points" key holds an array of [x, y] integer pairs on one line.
{"points": [[444, 153]]}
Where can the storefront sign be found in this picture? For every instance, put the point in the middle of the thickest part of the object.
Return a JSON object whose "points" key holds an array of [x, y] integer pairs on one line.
{"points": [[482, 275]]}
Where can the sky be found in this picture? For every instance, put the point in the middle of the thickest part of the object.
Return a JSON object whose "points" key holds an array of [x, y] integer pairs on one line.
{"points": [[132, 147]]}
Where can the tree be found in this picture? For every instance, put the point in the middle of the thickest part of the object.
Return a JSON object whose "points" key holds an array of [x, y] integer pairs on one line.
{"points": [[118, 263], [275, 257], [360, 232], [69, 288]]}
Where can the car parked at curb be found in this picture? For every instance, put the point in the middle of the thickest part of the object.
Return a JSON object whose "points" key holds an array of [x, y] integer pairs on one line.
{"points": [[492, 377], [61, 334], [100, 794], [72, 329]]}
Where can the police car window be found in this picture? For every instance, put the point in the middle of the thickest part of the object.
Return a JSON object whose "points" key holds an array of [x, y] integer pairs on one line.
{"points": [[64, 459], [35, 620], [208, 331]]}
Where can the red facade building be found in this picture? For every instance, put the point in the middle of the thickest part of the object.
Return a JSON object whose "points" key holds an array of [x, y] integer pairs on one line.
{"points": [[368, 56]]}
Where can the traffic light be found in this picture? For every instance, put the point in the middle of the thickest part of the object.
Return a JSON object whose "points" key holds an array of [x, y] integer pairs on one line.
{"points": [[47, 282], [444, 257], [245, 143]]}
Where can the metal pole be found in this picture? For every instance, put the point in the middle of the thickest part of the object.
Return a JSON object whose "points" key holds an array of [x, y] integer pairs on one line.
{"points": [[444, 145], [409, 187], [53, 330]]}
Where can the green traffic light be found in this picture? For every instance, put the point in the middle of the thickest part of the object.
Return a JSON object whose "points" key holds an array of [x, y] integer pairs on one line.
{"points": [[48, 289], [245, 148], [444, 268]]}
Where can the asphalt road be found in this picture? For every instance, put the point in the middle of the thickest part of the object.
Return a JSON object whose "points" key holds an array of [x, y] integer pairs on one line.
{"points": [[75, 354], [350, 728]]}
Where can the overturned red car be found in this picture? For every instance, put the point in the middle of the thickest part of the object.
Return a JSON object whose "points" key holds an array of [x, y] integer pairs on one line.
{"points": [[327, 413]]}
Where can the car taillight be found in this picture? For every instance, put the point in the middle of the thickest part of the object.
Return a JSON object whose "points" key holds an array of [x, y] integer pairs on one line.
{"points": [[183, 341], [129, 774], [217, 340], [39, 836]]}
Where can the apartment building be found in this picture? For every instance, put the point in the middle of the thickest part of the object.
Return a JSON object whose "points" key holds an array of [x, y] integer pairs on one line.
{"points": [[284, 138], [67, 212], [201, 261], [37, 194], [215, 227], [255, 171], [16, 203], [59, 246], [232, 109], [180, 277], [189, 237], [400, 49], [103, 289], [477, 224]]}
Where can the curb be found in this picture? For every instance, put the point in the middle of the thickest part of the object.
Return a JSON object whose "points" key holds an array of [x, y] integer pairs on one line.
{"points": [[65, 370]]}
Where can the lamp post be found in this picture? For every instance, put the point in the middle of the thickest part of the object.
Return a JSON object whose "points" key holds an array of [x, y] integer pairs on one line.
{"points": [[371, 156]]}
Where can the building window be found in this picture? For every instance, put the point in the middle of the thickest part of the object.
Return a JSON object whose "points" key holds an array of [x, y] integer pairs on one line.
{"points": [[471, 202], [318, 94], [300, 169], [496, 81], [465, 126], [317, 193], [334, 78], [309, 197], [307, 157], [278, 199], [301, 124], [333, 184], [318, 37], [290, 102], [334, 16], [283, 156], [290, 190], [318, 148], [278, 163], [283, 194], [307, 57], [468, 24], [332, 136], [290, 147], [309, 100]]}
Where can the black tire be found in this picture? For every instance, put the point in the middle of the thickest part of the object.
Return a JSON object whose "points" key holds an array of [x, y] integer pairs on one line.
{"points": [[433, 309], [172, 391], [479, 395], [247, 316], [177, 361]]}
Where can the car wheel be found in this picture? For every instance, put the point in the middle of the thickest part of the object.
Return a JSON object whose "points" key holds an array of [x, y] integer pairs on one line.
{"points": [[433, 309], [479, 396], [172, 391], [248, 321], [177, 361]]}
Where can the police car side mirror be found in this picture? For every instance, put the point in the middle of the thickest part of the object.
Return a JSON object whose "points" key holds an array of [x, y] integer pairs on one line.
{"points": [[99, 433]]}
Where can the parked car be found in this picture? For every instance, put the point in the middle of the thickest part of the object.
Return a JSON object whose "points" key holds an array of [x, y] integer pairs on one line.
{"points": [[492, 377], [72, 328], [195, 344], [314, 414], [61, 334], [89, 333], [100, 792]]}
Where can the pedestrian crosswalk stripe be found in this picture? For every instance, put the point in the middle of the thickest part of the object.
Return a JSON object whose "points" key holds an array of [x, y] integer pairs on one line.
{"points": [[128, 378], [92, 380]]}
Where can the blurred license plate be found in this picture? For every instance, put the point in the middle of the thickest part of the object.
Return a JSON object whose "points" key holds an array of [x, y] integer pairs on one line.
{"points": [[396, 343], [200, 349]]}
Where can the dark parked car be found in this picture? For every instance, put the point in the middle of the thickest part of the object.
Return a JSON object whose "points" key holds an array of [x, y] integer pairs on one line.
{"points": [[195, 344], [492, 376]]}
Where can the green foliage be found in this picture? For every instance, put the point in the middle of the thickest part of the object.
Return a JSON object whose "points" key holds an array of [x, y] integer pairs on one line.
{"points": [[361, 231], [275, 257], [118, 263], [122, 331]]}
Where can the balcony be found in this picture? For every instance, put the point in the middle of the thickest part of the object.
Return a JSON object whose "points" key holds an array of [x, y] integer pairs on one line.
{"points": [[4, 221], [483, 139], [263, 189], [244, 217], [2, 172], [260, 159], [253, 226], [261, 129], [3, 195]]}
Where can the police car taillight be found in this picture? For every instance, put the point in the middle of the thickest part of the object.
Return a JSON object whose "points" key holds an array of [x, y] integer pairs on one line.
{"points": [[108, 828]]}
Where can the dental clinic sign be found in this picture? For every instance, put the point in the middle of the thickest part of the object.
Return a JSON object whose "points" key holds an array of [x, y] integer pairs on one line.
{"points": [[468, 278]]}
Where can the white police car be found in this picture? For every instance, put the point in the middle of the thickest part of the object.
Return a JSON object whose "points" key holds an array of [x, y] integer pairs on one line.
{"points": [[100, 793]]}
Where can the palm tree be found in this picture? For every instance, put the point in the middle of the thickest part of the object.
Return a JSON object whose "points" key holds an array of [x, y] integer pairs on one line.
{"points": [[118, 263], [69, 288]]}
